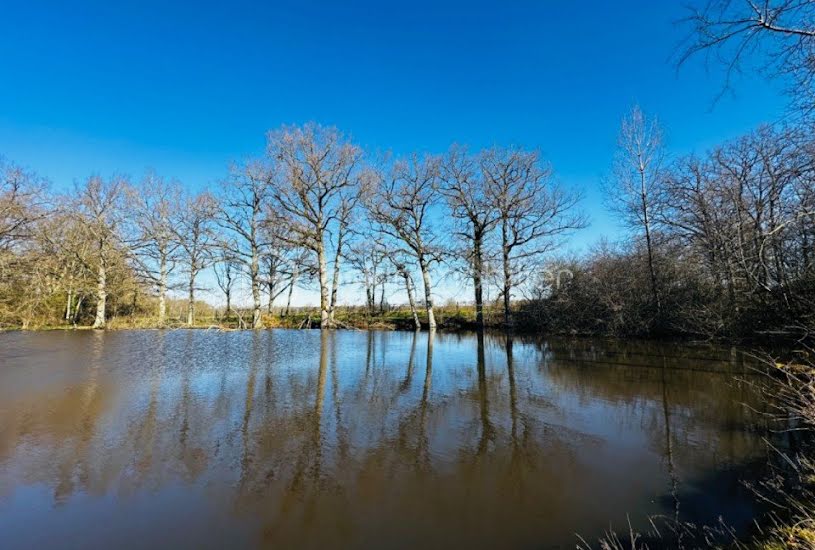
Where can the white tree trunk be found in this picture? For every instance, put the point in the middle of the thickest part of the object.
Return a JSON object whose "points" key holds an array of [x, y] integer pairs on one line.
{"points": [[291, 289], [101, 296], [69, 305], [335, 282], [253, 273], [325, 321], [191, 301], [409, 287], [162, 293], [428, 298]]}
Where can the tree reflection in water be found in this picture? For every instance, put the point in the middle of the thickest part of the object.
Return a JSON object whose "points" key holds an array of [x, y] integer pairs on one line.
{"points": [[307, 438]]}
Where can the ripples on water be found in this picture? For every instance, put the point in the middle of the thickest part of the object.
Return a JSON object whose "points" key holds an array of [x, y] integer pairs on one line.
{"points": [[354, 439]]}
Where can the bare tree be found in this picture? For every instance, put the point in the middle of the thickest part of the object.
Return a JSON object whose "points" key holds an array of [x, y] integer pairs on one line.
{"points": [[227, 269], [22, 196], [638, 176], [400, 263], [401, 209], [302, 272], [196, 236], [274, 274], [244, 212], [282, 262], [466, 192], [366, 258], [155, 216], [63, 238], [345, 213], [533, 212], [317, 184], [98, 208]]}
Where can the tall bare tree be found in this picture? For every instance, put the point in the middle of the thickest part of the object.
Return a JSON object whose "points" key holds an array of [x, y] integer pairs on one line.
{"points": [[155, 214], [401, 208], [638, 177], [345, 213], [533, 212], [366, 258], [197, 239], [99, 210], [227, 270], [302, 271], [466, 192], [318, 178], [244, 212], [282, 262]]}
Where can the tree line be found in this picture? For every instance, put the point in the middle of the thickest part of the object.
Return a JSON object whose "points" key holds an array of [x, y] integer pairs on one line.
{"points": [[311, 210], [724, 247], [720, 243]]}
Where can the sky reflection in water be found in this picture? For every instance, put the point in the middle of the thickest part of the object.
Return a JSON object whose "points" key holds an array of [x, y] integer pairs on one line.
{"points": [[355, 439]]}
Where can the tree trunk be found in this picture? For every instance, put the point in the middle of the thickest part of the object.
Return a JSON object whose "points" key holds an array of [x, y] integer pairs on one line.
{"points": [[271, 283], [478, 270], [382, 299], [647, 223], [253, 274], [369, 297], [101, 296], [324, 305], [162, 293], [409, 287], [507, 290], [69, 305], [77, 309], [335, 283], [191, 302], [428, 298], [291, 290]]}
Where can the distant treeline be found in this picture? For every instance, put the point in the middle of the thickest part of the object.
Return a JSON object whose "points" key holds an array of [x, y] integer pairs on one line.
{"points": [[720, 244]]}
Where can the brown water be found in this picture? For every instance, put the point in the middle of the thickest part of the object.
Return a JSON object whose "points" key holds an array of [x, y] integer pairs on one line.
{"points": [[354, 439]]}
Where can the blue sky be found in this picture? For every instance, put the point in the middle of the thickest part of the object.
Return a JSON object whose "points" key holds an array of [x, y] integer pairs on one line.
{"points": [[104, 87]]}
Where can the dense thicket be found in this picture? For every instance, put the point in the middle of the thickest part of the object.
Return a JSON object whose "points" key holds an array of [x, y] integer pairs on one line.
{"points": [[732, 235]]}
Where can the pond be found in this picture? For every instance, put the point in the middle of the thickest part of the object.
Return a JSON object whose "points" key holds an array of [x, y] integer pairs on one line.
{"points": [[365, 439]]}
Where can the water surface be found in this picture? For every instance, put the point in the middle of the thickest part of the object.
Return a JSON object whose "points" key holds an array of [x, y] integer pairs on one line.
{"points": [[355, 439]]}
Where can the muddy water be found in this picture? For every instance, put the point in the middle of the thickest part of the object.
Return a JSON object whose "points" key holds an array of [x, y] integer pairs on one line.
{"points": [[353, 439]]}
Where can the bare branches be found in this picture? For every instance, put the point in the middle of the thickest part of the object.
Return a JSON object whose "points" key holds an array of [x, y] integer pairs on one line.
{"points": [[317, 188], [196, 236], [22, 197], [155, 215], [467, 192], [400, 208], [244, 213], [99, 211], [638, 176], [779, 34], [532, 212]]}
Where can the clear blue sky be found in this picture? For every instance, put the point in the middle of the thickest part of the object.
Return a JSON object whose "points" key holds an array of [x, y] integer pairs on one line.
{"points": [[103, 87]]}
